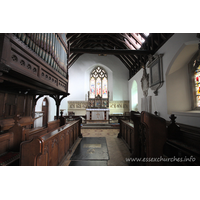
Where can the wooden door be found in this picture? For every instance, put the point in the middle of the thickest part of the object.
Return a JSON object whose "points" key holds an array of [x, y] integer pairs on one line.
{"points": [[45, 109]]}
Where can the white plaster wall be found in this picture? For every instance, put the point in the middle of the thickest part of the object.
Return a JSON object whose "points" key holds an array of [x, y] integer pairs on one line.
{"points": [[79, 77], [52, 109], [64, 105], [137, 79], [171, 50], [134, 96], [178, 90], [120, 87]]}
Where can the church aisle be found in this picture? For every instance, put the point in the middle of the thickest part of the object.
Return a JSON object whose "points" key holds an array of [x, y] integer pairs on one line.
{"points": [[117, 149]]}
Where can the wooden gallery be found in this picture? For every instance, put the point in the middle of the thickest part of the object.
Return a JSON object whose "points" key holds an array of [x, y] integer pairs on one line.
{"points": [[54, 84]]}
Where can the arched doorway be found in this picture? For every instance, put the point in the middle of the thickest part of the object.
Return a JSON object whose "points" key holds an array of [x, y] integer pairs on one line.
{"points": [[45, 110]]}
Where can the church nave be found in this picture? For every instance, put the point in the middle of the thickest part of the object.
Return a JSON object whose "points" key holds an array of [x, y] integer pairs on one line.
{"points": [[117, 149]]}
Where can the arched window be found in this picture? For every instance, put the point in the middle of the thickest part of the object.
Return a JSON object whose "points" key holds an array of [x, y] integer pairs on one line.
{"points": [[134, 96], [194, 68], [197, 83], [99, 83]]}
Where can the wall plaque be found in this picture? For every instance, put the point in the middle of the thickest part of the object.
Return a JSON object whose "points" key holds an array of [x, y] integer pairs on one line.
{"points": [[156, 73]]}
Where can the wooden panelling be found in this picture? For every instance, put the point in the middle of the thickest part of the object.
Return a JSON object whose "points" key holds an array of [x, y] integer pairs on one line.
{"points": [[50, 148], [155, 136], [35, 132], [20, 105], [61, 141], [53, 151], [53, 125], [27, 69], [12, 104], [6, 142], [30, 150], [182, 142], [127, 134], [67, 139], [145, 137], [2, 95]]}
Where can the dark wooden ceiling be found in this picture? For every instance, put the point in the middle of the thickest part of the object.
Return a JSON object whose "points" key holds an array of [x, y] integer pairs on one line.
{"points": [[131, 48]]}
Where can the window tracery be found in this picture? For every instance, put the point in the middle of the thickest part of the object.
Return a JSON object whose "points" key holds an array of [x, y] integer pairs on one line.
{"points": [[98, 83]]}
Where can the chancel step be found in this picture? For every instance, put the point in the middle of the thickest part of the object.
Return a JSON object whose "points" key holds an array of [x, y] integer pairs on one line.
{"points": [[101, 126]]}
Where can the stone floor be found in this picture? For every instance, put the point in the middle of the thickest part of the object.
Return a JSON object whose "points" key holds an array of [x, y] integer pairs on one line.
{"points": [[117, 149]]}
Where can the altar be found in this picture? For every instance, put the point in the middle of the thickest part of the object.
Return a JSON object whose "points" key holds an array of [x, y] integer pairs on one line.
{"points": [[97, 114]]}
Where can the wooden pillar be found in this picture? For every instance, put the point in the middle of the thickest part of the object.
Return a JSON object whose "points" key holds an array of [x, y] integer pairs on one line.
{"points": [[58, 100]]}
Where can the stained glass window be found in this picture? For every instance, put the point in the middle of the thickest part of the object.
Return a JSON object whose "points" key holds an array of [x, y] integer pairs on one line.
{"points": [[92, 88], [98, 83], [98, 87], [104, 85], [197, 85]]}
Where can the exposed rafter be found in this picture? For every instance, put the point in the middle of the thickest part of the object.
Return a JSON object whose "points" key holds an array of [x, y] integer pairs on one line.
{"points": [[131, 48], [112, 52]]}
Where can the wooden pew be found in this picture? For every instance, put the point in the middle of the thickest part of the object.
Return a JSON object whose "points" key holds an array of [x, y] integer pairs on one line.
{"points": [[53, 125], [6, 124], [145, 137], [182, 145], [136, 118], [130, 133], [50, 148], [9, 144], [6, 142], [28, 134], [127, 133], [24, 121], [154, 137], [17, 130], [172, 143]]}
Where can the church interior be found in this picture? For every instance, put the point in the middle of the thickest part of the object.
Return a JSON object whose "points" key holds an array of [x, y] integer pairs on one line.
{"points": [[99, 99], [56, 88]]}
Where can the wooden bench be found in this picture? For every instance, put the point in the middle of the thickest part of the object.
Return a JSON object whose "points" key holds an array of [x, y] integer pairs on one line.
{"points": [[182, 144], [53, 125], [28, 134], [127, 134], [172, 144], [17, 130], [6, 124], [130, 131], [154, 133], [7, 156], [145, 136], [50, 148]]}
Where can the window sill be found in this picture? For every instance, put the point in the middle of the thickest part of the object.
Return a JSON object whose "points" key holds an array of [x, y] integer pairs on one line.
{"points": [[192, 113]]}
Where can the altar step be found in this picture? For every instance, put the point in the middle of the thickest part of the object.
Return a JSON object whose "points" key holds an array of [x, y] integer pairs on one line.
{"points": [[100, 126]]}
